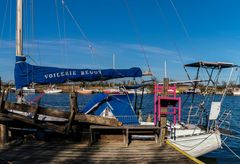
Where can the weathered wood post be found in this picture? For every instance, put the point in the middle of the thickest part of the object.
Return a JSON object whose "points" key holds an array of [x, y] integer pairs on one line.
{"points": [[73, 110], [163, 118], [3, 134], [3, 128], [2, 99]]}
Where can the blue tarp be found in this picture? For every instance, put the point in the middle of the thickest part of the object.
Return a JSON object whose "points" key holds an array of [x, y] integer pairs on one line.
{"points": [[118, 105], [26, 74], [95, 102]]}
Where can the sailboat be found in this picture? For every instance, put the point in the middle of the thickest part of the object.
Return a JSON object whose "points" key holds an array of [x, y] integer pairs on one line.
{"points": [[196, 139], [190, 138], [26, 74], [236, 91], [204, 136]]}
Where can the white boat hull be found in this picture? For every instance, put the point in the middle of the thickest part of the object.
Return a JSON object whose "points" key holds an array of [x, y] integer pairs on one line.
{"points": [[52, 91], [197, 145], [28, 90], [237, 93]]}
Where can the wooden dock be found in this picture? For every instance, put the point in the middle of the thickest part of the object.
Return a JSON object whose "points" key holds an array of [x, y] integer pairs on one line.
{"points": [[72, 152], [94, 139]]}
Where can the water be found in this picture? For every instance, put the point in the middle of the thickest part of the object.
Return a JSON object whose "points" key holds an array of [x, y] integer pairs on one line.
{"points": [[221, 156]]}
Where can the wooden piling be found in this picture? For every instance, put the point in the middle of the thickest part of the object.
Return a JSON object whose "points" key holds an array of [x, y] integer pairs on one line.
{"points": [[73, 110], [3, 134], [163, 118], [2, 102]]}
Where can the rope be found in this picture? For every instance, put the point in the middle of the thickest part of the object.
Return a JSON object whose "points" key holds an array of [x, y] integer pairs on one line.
{"points": [[36, 99], [58, 24], [236, 131], [181, 22], [90, 45], [137, 35], [232, 136], [231, 150], [194, 146], [34, 61], [79, 27], [4, 19], [228, 83], [169, 30]]}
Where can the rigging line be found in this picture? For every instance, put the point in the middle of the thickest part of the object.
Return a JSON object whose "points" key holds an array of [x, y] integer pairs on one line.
{"points": [[174, 42], [32, 24], [181, 22], [236, 131], [228, 83], [32, 60], [4, 19], [79, 27], [10, 26], [26, 34], [26, 27], [64, 32], [32, 28], [58, 25], [10, 19], [137, 33], [237, 77], [90, 44], [167, 27], [193, 146], [231, 150]]}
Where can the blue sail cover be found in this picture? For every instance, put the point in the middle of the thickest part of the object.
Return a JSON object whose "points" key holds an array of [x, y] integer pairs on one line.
{"points": [[119, 105], [26, 74]]}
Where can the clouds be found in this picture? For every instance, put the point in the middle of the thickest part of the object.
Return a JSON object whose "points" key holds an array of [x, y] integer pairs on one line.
{"points": [[150, 50], [76, 53]]}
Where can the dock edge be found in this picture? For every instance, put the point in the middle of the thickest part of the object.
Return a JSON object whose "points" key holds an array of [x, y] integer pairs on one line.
{"points": [[184, 153]]}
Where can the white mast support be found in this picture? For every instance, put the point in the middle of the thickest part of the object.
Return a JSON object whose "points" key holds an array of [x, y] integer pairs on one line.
{"points": [[19, 51], [113, 61], [114, 66]]}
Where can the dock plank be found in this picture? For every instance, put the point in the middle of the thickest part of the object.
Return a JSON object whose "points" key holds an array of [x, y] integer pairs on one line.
{"points": [[61, 152]]}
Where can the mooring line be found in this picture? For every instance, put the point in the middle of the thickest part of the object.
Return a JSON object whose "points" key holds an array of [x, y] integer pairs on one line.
{"points": [[231, 150], [232, 136]]}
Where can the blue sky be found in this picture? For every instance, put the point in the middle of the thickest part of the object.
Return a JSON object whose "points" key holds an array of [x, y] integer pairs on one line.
{"points": [[136, 31]]}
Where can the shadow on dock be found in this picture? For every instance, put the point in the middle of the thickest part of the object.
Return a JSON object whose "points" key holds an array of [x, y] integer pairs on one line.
{"points": [[63, 151]]}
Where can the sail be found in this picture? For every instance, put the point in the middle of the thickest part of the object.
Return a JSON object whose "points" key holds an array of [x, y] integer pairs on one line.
{"points": [[26, 74]]}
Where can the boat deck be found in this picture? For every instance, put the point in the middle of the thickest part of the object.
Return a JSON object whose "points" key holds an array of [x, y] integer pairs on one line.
{"points": [[72, 152]]}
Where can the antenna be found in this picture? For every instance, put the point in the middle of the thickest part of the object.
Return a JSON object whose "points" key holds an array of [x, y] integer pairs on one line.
{"points": [[165, 69]]}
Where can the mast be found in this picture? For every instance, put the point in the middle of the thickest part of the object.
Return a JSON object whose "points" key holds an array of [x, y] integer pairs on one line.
{"points": [[19, 51], [113, 62]]}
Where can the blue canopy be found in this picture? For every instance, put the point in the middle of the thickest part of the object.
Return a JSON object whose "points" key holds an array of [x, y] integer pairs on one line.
{"points": [[118, 106], [26, 74]]}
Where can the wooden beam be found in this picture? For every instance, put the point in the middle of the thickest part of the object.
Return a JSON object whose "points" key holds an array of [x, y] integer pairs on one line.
{"points": [[62, 114], [47, 125], [3, 134]]}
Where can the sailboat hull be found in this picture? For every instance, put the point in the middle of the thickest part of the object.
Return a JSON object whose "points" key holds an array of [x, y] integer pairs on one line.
{"points": [[198, 145]]}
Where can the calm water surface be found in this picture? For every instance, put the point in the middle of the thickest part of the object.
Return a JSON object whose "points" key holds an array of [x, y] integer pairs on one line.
{"points": [[219, 156]]}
